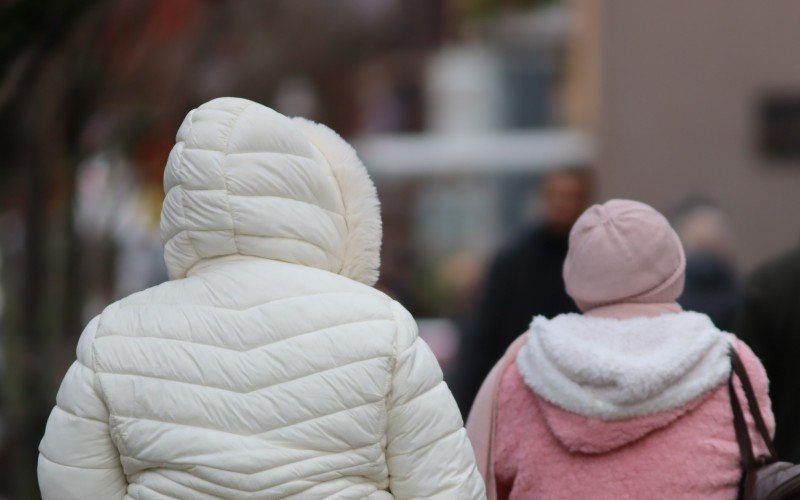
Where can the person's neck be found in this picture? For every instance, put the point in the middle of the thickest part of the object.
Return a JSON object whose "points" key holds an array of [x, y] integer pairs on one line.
{"points": [[628, 310]]}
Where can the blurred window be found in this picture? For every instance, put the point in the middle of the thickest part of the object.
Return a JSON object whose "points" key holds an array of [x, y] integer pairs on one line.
{"points": [[779, 127]]}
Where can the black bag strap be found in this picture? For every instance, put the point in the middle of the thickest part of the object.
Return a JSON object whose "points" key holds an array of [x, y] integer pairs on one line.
{"points": [[740, 425], [752, 403]]}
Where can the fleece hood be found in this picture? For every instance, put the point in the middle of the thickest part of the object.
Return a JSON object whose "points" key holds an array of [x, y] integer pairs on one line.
{"points": [[604, 382]]}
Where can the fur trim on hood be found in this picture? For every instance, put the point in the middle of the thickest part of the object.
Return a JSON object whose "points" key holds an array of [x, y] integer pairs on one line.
{"points": [[362, 248]]}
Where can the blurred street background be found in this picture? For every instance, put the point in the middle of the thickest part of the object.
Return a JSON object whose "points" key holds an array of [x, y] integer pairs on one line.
{"points": [[459, 109]]}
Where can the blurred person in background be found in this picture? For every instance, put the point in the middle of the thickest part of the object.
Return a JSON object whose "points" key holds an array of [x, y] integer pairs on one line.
{"points": [[769, 320], [268, 366], [524, 280], [712, 286], [631, 398], [396, 279]]}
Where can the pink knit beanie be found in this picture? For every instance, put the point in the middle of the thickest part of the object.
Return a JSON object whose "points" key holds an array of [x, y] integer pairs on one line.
{"points": [[623, 251]]}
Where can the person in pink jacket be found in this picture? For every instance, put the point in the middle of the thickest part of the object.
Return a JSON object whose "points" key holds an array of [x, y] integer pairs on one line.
{"points": [[627, 400]]}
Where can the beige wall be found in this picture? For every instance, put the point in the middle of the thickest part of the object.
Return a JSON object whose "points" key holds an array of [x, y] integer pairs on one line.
{"points": [[679, 81]]}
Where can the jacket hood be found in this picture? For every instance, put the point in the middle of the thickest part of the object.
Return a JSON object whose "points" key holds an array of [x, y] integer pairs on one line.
{"points": [[244, 179], [605, 382]]}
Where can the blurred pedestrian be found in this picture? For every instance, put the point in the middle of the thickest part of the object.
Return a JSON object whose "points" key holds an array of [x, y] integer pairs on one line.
{"points": [[712, 286], [629, 399], [268, 367], [770, 322], [523, 280]]}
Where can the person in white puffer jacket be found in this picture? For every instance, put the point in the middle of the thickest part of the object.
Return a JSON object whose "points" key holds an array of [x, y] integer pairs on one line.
{"points": [[268, 367]]}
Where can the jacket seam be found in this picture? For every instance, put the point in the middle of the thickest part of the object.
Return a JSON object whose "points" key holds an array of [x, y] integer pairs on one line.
{"points": [[428, 444], [289, 464], [235, 153], [68, 412], [278, 197], [390, 382], [195, 489], [341, 197], [247, 393], [187, 230], [222, 173], [183, 199], [256, 306], [234, 234], [114, 434], [160, 493], [244, 351], [256, 434], [44, 455], [343, 474], [415, 397]]}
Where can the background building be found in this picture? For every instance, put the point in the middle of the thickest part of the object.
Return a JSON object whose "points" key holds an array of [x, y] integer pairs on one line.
{"points": [[696, 98]]}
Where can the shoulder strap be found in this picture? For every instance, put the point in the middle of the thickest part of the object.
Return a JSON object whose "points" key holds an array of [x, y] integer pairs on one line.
{"points": [[739, 423], [740, 426], [752, 402]]}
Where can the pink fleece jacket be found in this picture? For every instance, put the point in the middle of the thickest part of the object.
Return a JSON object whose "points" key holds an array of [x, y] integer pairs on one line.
{"points": [[543, 451], [628, 400]]}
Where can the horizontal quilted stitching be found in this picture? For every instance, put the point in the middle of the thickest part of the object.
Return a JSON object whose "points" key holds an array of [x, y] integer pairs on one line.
{"points": [[202, 183], [167, 338], [359, 343], [268, 368], [261, 379], [291, 200]]}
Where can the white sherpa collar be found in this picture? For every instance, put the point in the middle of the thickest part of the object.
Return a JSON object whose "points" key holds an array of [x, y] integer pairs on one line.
{"points": [[614, 369]]}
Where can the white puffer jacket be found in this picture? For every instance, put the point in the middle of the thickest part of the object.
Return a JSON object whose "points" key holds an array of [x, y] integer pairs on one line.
{"points": [[268, 367]]}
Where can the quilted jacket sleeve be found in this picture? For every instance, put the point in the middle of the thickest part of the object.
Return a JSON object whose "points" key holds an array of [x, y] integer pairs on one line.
{"points": [[428, 453], [77, 458]]}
